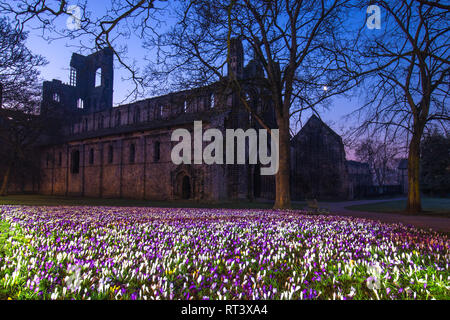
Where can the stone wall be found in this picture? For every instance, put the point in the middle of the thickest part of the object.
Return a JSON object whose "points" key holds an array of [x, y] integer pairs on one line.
{"points": [[318, 163], [142, 176]]}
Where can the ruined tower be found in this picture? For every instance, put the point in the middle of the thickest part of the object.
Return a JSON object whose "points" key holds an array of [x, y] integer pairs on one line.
{"points": [[90, 86]]}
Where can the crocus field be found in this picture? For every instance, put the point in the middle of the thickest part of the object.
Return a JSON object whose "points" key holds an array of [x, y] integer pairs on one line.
{"points": [[160, 253]]}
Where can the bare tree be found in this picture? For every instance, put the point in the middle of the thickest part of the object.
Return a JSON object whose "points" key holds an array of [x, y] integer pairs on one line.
{"points": [[20, 125], [381, 156], [95, 30], [436, 3], [18, 68], [410, 60]]}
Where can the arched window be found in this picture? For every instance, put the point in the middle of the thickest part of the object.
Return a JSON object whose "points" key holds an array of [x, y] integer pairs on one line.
{"points": [[80, 103], [85, 124], [110, 154], [98, 77], [56, 97], [137, 115], [156, 151], [118, 118], [75, 163], [91, 156], [212, 100], [160, 111], [73, 77], [185, 106], [132, 153]]}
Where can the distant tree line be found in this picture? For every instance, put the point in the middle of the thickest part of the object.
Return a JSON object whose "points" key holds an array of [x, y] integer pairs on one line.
{"points": [[20, 124], [383, 159]]}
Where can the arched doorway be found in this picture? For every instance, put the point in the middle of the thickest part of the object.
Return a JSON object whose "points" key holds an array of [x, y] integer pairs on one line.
{"points": [[257, 181], [186, 188]]}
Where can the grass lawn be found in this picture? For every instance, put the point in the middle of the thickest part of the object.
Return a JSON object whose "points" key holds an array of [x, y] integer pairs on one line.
{"points": [[42, 200], [431, 206]]}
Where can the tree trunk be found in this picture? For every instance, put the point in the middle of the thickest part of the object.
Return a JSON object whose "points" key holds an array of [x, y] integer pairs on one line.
{"points": [[282, 185], [414, 204], [4, 187]]}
